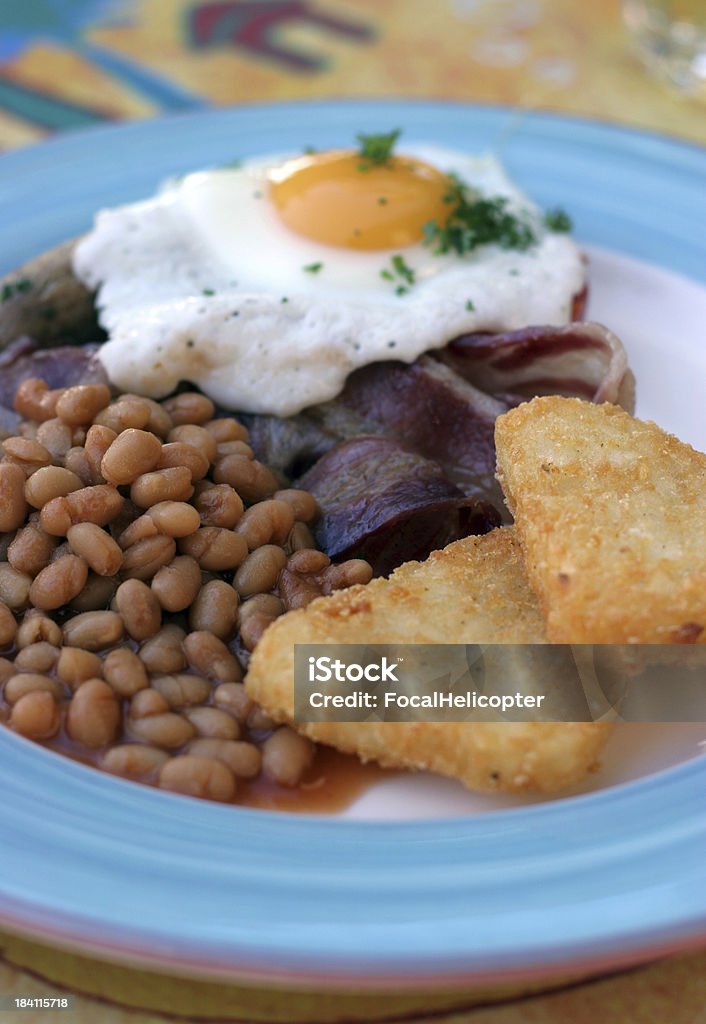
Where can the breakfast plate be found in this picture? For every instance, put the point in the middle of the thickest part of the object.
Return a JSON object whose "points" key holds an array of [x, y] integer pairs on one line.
{"points": [[453, 893]]}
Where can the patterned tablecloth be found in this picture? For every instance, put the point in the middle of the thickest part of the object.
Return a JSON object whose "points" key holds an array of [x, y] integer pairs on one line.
{"points": [[70, 64]]}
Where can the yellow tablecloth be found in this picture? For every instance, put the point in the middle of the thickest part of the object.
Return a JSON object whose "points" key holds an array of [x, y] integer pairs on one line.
{"points": [[70, 64]]}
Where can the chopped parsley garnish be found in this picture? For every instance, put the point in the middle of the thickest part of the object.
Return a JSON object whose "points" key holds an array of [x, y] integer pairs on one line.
{"points": [[313, 268], [476, 220], [284, 299], [557, 220], [207, 291], [15, 288], [401, 273], [382, 200], [469, 306], [376, 150], [190, 343], [308, 150]]}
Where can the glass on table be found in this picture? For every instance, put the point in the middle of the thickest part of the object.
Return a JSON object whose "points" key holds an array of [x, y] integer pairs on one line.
{"points": [[670, 36]]}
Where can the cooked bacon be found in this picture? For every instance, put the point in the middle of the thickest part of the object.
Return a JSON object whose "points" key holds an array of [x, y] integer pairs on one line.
{"points": [[581, 360], [389, 505]]}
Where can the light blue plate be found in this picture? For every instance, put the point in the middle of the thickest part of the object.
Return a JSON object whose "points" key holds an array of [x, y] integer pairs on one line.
{"points": [[129, 872]]}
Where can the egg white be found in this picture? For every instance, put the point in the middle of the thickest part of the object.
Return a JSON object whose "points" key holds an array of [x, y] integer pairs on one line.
{"points": [[204, 283]]}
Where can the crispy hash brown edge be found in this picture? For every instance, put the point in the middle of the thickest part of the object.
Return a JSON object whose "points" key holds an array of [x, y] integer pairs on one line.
{"points": [[473, 591], [611, 515]]}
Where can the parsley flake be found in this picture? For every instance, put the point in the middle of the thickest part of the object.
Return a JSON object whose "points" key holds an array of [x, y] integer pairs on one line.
{"points": [[469, 306], [401, 274], [376, 150], [557, 220], [15, 288], [207, 291], [312, 268], [476, 220]]}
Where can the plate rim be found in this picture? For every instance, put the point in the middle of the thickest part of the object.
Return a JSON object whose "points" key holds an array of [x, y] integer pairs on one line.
{"points": [[373, 973]]}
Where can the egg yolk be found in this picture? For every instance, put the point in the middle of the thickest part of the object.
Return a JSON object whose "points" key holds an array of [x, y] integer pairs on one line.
{"points": [[340, 199]]}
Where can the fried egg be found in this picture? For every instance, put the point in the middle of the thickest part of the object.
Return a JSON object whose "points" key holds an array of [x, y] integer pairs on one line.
{"points": [[267, 284]]}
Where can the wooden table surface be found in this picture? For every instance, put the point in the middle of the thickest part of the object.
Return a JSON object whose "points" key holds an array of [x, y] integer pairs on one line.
{"points": [[69, 64]]}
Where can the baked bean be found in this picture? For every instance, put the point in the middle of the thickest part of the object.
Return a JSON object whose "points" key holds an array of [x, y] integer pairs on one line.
{"points": [[182, 690], [125, 414], [175, 518], [196, 437], [28, 682], [215, 550], [234, 448], [262, 604], [13, 503], [160, 422], [296, 590], [303, 504], [260, 570], [268, 522], [14, 587], [58, 583], [286, 756], [36, 715], [139, 609], [300, 538], [148, 702], [177, 453], [74, 666], [35, 628], [176, 585], [135, 760], [124, 671], [308, 561], [99, 505], [209, 656], [259, 721], [189, 407], [226, 429], [204, 777], [96, 547], [347, 574], [172, 484], [93, 718], [8, 626], [252, 628], [35, 401], [213, 722], [142, 560], [28, 429], [163, 652], [243, 759], [233, 697], [56, 437], [7, 669], [96, 595], [28, 454], [252, 480], [215, 609], [167, 730], [50, 482], [77, 462], [98, 441], [139, 529], [219, 505], [78, 405], [93, 631], [38, 657], [132, 453]]}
